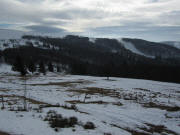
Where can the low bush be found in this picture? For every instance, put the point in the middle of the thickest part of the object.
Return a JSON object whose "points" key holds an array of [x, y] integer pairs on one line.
{"points": [[57, 121], [89, 125]]}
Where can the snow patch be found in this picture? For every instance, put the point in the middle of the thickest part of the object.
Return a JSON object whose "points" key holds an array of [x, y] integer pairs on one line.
{"points": [[93, 40], [6, 69]]}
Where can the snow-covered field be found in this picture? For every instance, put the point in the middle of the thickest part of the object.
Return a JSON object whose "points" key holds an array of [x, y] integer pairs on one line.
{"points": [[116, 107]]}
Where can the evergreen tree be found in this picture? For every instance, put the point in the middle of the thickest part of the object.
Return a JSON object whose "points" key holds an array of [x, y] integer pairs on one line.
{"points": [[31, 66], [19, 66], [50, 67], [42, 68], [57, 68]]}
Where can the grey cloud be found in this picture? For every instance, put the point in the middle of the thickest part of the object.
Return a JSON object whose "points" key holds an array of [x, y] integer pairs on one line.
{"points": [[153, 1], [139, 21], [154, 33], [45, 29]]}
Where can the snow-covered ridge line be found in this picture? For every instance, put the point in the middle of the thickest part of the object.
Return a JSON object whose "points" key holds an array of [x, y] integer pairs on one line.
{"points": [[15, 43], [132, 48], [175, 44], [93, 40]]}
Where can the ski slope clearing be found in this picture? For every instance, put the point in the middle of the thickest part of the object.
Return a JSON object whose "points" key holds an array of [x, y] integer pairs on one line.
{"points": [[116, 107], [132, 48]]}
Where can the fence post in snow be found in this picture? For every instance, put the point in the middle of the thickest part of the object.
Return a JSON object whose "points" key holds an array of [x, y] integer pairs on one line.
{"points": [[2, 99], [25, 93]]}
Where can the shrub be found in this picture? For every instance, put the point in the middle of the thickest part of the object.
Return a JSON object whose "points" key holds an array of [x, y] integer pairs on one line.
{"points": [[57, 121], [107, 134], [74, 107], [89, 125], [73, 121]]}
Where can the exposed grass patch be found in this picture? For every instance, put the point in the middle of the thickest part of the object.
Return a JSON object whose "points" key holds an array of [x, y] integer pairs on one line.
{"points": [[63, 84], [72, 107], [141, 89], [4, 90], [162, 107], [157, 129], [149, 130], [94, 102], [97, 91], [87, 102], [132, 131]]}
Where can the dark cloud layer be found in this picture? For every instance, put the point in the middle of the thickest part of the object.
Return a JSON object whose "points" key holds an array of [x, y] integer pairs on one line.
{"points": [[45, 29]]}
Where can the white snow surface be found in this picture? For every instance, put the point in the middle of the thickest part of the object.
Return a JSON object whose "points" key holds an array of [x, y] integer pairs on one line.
{"points": [[6, 69], [116, 106], [93, 40]]}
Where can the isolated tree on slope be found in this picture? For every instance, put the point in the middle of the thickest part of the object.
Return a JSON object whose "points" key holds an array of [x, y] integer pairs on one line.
{"points": [[108, 69]]}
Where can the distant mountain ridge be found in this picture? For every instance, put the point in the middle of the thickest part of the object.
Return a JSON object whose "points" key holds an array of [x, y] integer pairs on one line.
{"points": [[11, 34], [136, 46], [154, 49], [172, 43]]}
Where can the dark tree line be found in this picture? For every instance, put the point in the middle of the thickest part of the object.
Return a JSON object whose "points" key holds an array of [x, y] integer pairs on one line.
{"points": [[79, 56], [23, 67]]}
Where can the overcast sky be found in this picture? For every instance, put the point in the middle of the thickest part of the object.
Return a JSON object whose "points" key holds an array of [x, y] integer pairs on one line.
{"points": [[156, 20]]}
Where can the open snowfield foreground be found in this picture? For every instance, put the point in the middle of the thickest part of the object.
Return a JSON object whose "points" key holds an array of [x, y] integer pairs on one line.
{"points": [[116, 107]]}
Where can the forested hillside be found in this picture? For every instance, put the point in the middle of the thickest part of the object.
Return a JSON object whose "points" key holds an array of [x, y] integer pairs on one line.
{"points": [[102, 57]]}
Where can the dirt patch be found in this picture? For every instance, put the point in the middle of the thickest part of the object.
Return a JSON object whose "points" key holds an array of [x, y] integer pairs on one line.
{"points": [[141, 89], [161, 106], [94, 102], [149, 130], [88, 102], [132, 131], [97, 91], [15, 99], [62, 84], [119, 94], [4, 90], [161, 129], [3, 133], [72, 107]]}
